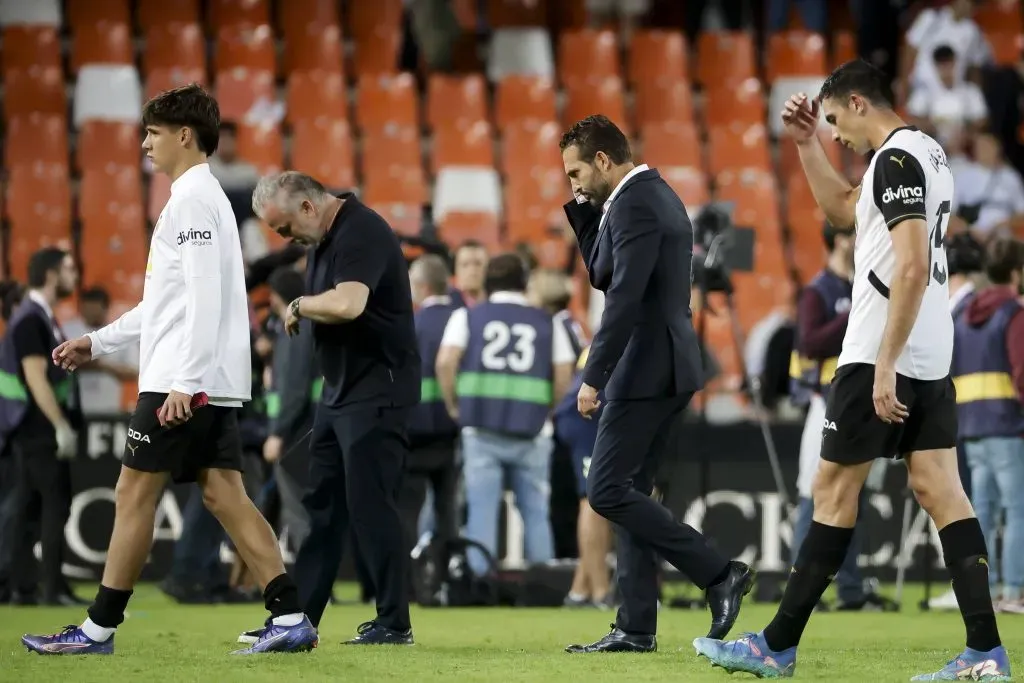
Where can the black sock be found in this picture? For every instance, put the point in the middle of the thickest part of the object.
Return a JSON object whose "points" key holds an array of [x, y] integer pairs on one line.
{"points": [[281, 596], [963, 548], [107, 609], [722, 576], [821, 555]]}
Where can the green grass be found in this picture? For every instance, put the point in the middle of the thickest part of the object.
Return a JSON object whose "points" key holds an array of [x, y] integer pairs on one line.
{"points": [[162, 641]]}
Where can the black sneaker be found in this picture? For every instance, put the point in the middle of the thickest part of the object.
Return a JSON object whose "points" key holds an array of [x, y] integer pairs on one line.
{"points": [[372, 633]]}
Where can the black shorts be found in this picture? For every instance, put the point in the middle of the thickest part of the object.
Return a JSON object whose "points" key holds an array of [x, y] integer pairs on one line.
{"points": [[210, 440], [854, 434]]}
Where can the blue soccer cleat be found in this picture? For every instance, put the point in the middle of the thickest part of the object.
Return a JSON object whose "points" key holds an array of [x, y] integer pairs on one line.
{"points": [[70, 641], [971, 665], [750, 654], [301, 637]]}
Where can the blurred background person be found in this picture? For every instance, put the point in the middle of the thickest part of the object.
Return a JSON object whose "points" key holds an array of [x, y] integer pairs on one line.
{"points": [[40, 416], [500, 367], [101, 381], [551, 290], [989, 194], [949, 110], [952, 25], [470, 267], [11, 294], [988, 372]]}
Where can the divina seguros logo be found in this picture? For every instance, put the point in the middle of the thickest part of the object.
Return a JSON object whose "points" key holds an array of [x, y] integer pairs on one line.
{"points": [[909, 195], [198, 238]]}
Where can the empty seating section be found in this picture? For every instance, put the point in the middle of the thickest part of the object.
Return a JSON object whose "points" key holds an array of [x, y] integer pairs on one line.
{"points": [[316, 85]]}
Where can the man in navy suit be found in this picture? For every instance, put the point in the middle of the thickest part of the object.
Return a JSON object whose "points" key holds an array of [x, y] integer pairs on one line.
{"points": [[637, 242]]}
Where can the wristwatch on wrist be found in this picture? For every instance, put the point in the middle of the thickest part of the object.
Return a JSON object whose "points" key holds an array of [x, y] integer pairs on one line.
{"points": [[293, 307]]}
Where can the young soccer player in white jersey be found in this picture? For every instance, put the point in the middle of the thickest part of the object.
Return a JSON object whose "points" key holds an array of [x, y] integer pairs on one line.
{"points": [[193, 329], [892, 394]]}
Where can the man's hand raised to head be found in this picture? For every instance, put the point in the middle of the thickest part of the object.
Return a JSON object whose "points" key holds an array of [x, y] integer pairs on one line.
{"points": [[73, 354]]}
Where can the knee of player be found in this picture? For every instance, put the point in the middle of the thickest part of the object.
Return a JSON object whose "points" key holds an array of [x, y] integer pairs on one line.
{"points": [[221, 493], [834, 495], [934, 482], [603, 496], [137, 490]]}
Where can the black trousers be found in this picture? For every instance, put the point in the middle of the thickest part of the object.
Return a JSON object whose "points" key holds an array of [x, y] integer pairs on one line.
{"points": [[430, 467], [631, 439], [43, 489], [357, 458]]}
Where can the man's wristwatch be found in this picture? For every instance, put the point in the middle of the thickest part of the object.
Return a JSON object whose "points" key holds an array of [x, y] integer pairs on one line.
{"points": [[293, 308]]}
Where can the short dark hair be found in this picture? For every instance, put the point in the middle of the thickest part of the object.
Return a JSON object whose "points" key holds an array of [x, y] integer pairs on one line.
{"points": [[44, 261], [189, 106], [597, 134], [1005, 257], [964, 254], [11, 293], [505, 273], [229, 127], [829, 233], [943, 54], [96, 294], [861, 78]]}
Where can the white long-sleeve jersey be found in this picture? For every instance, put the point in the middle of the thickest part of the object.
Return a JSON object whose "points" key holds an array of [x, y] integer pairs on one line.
{"points": [[193, 322]]}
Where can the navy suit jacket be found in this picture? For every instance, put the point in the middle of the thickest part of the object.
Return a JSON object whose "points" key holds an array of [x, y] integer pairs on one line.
{"points": [[640, 258]]}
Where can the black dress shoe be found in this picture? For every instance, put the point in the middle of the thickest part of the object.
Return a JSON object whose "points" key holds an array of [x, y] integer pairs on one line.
{"points": [[372, 633], [618, 641], [724, 598]]}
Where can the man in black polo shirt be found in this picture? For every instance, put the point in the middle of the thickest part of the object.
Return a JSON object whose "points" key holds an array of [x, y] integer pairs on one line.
{"points": [[361, 309]]}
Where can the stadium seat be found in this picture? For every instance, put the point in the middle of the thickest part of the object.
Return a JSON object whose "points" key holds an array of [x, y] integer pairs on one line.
{"points": [[38, 199], [995, 18], [509, 13], [469, 145], [246, 47], [104, 143], [160, 80], [36, 138], [35, 89], [387, 101], [113, 248], [378, 53], [1006, 47], [316, 48], [102, 42], [159, 193], [689, 183], [520, 52], [807, 246], [460, 226], [103, 190], [533, 202], [467, 189], [529, 145], [79, 13], [108, 93], [789, 158], [740, 103], [736, 147], [658, 55], [524, 98], [240, 90], [756, 201], [28, 46], [405, 218], [323, 148], [221, 13], [795, 54], [174, 46], [31, 13], [759, 293], [798, 195], [671, 145], [588, 98], [364, 18], [152, 14], [662, 101], [587, 54], [725, 58], [312, 94], [456, 100], [262, 145], [393, 165], [294, 18], [844, 48], [25, 240]]}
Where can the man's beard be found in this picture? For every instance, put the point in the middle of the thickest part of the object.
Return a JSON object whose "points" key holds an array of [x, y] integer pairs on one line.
{"points": [[600, 195]]}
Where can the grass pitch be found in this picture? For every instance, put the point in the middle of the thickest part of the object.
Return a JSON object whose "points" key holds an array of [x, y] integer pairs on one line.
{"points": [[163, 641]]}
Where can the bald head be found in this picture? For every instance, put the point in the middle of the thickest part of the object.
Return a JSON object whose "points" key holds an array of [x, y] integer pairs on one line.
{"points": [[428, 276]]}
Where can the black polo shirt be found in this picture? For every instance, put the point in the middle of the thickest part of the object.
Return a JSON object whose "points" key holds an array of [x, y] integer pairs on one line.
{"points": [[32, 336], [373, 359]]}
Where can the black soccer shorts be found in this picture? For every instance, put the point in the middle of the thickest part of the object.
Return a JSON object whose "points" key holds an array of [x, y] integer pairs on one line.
{"points": [[210, 440], [854, 434]]}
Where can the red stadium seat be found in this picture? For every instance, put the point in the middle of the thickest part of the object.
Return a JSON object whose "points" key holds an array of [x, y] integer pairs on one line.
{"points": [[262, 146], [105, 143], [80, 13], [103, 191], [672, 145], [393, 165], [725, 58], [174, 46], [531, 145], [844, 48], [458, 227], [524, 98], [586, 99], [102, 42], [512, 13], [31, 46], [456, 100], [387, 101], [113, 250], [586, 55], [364, 18], [36, 138], [738, 147], [36, 89], [323, 149], [38, 200], [240, 89], [297, 16], [470, 145], [221, 13], [663, 101], [657, 55], [405, 218], [738, 103], [165, 79], [154, 13], [756, 199], [377, 54], [317, 48], [1006, 47], [315, 94], [246, 47], [795, 54], [159, 193]]}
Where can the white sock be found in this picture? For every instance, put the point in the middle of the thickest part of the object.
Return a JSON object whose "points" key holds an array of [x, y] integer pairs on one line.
{"points": [[289, 619], [96, 632], [577, 596]]}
